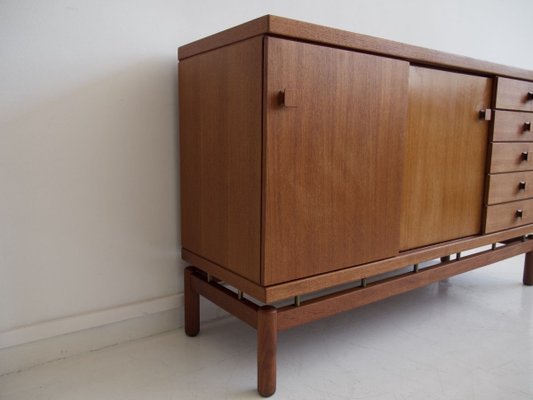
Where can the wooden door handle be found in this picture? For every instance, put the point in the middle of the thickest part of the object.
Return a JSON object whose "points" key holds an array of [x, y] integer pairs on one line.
{"points": [[527, 126], [525, 155], [288, 98], [486, 114]]}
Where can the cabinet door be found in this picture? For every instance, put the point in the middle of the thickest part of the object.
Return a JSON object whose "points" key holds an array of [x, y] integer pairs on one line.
{"points": [[446, 147], [332, 158]]}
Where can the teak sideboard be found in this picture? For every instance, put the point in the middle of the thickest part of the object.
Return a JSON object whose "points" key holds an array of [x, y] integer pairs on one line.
{"points": [[313, 157]]}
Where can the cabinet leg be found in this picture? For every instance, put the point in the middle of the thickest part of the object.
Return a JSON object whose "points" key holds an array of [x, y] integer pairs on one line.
{"points": [[192, 304], [528, 269], [267, 337], [445, 259]]}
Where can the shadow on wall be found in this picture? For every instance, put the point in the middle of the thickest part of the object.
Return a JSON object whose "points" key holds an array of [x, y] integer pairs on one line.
{"points": [[90, 192]]}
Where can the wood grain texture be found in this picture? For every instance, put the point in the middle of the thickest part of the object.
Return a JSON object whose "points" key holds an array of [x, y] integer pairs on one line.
{"points": [[512, 94], [327, 280], [512, 126], [446, 147], [528, 269], [267, 337], [510, 187], [325, 306], [508, 157], [504, 216], [289, 28], [332, 164], [225, 275], [220, 149]]}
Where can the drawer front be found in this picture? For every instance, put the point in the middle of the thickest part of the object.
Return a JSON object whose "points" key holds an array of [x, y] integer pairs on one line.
{"points": [[509, 215], [512, 126], [509, 157], [510, 187], [513, 94]]}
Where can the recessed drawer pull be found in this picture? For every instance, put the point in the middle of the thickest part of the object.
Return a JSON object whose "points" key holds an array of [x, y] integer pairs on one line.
{"points": [[519, 213], [527, 126], [525, 156], [522, 185], [529, 95]]}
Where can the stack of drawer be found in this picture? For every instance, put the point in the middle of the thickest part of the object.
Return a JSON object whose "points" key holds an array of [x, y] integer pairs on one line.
{"points": [[510, 182]]}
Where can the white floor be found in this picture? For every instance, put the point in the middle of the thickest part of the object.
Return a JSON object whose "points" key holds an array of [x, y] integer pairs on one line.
{"points": [[470, 337]]}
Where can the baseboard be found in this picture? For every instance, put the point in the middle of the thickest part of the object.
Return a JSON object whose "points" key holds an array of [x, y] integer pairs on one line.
{"points": [[28, 346]]}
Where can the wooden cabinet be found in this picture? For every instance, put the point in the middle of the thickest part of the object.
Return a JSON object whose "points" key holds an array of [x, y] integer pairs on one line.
{"points": [[312, 157], [306, 150]]}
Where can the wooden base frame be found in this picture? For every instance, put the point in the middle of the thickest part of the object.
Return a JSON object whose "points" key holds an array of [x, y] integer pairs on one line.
{"points": [[269, 320]]}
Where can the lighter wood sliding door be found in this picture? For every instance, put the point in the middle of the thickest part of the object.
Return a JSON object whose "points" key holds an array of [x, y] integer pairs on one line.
{"points": [[446, 148]]}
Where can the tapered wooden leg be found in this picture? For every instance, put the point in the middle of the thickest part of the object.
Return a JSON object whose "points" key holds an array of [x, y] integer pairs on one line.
{"points": [[528, 269], [192, 305], [267, 338]]}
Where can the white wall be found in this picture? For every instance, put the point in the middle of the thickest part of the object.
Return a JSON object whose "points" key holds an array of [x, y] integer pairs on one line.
{"points": [[88, 134]]}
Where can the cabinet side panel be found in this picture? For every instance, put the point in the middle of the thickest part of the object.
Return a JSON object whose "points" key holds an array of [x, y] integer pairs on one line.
{"points": [[444, 166], [220, 155], [333, 158]]}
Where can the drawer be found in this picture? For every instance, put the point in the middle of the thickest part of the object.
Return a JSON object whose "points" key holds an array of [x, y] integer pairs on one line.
{"points": [[510, 187], [512, 126], [508, 157], [512, 94], [509, 215]]}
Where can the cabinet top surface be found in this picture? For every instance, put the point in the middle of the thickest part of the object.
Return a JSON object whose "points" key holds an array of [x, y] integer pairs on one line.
{"points": [[304, 31]]}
